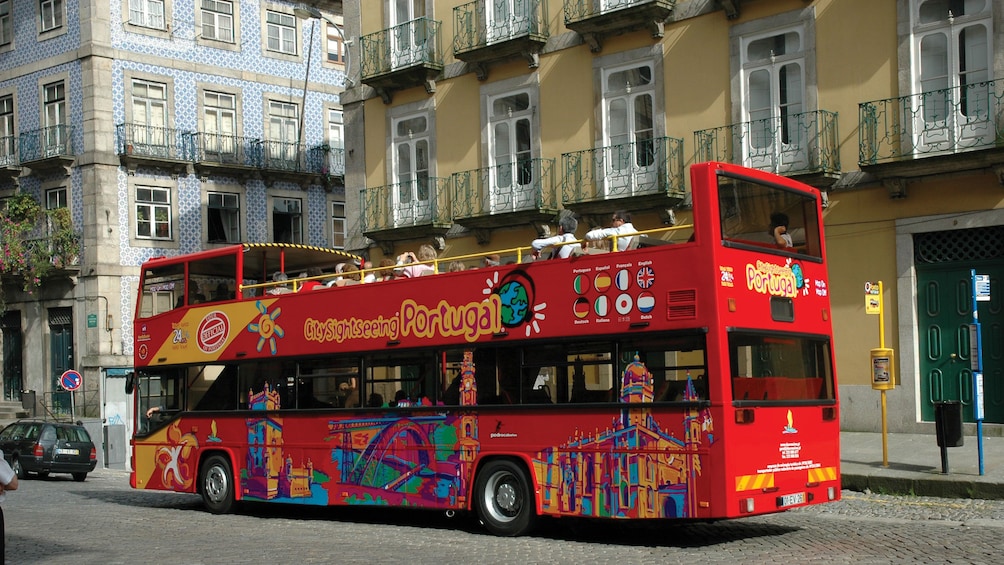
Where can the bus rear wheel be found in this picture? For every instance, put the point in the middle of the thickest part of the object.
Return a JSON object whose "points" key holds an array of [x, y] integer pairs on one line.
{"points": [[217, 486], [504, 499]]}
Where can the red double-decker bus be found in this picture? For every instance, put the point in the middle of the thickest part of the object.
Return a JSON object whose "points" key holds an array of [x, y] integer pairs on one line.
{"points": [[688, 377]]}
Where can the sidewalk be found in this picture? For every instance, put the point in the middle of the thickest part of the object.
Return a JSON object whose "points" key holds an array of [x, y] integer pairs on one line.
{"points": [[915, 466]]}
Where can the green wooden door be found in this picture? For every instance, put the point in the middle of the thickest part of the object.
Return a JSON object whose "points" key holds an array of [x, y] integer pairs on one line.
{"points": [[944, 313], [13, 360], [61, 356]]}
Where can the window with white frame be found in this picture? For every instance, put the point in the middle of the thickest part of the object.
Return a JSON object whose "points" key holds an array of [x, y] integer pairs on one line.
{"points": [[280, 31], [149, 115], [7, 137], [411, 170], [224, 217], [55, 136], [219, 123], [6, 33], [774, 132], [153, 213], [218, 20], [953, 104], [629, 128], [283, 131], [55, 198], [147, 13], [336, 132], [338, 225], [335, 45], [51, 13], [511, 146], [287, 220]]}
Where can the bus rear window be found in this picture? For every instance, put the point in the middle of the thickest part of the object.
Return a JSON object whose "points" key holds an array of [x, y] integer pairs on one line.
{"points": [[769, 367], [750, 212]]}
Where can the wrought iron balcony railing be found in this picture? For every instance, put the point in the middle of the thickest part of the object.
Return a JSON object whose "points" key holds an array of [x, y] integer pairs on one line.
{"points": [[578, 10], [46, 143], [525, 185], [291, 156], [475, 27], [334, 161], [804, 143], [153, 142], [417, 42], [419, 202], [8, 151], [650, 167], [222, 149], [936, 122]]}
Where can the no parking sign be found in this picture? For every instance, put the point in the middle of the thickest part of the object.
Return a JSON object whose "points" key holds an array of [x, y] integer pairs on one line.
{"points": [[71, 380]]}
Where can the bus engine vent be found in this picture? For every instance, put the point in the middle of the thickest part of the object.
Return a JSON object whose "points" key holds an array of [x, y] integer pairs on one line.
{"points": [[682, 304]]}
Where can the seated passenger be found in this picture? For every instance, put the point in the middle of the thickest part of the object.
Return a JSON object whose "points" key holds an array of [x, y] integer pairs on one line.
{"points": [[566, 233], [621, 227], [407, 268]]}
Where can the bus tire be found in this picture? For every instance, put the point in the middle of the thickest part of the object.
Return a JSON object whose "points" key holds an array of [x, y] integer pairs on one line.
{"points": [[503, 497], [216, 485]]}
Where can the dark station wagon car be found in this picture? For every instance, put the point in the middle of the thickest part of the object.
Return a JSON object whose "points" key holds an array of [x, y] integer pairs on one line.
{"points": [[42, 447]]}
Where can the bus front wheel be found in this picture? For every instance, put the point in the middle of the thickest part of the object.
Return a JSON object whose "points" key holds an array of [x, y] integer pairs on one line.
{"points": [[504, 499], [217, 485]]}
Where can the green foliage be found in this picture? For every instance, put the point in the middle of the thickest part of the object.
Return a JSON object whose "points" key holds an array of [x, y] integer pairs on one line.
{"points": [[28, 255]]}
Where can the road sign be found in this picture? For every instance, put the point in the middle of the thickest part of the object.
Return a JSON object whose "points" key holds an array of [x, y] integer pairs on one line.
{"points": [[982, 288], [71, 380]]}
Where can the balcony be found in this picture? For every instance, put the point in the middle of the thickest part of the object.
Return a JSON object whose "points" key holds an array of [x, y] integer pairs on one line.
{"points": [[291, 161], [402, 57], [802, 146], [47, 150], [640, 175], [38, 244], [333, 166], [10, 167], [228, 155], [508, 30], [142, 145], [935, 132], [407, 210], [512, 194], [594, 19]]}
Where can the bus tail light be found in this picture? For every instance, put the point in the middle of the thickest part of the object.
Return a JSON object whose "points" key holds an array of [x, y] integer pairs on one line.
{"points": [[744, 416], [829, 413], [746, 505]]}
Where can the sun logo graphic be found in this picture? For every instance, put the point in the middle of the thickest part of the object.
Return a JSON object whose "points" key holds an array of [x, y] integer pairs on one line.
{"points": [[516, 293], [266, 328]]}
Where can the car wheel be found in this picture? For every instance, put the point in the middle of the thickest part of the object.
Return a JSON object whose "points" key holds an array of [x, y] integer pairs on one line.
{"points": [[216, 484], [18, 469], [504, 500], [79, 477]]}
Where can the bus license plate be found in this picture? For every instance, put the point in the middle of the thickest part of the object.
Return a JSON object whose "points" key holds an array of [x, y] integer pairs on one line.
{"points": [[67, 452], [791, 499]]}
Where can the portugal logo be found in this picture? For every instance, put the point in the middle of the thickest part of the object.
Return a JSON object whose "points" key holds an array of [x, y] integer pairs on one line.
{"points": [[213, 332]]}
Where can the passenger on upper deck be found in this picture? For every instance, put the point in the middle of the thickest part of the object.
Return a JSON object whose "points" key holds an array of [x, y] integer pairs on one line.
{"points": [[313, 284], [405, 261], [566, 232], [279, 276], [621, 227]]}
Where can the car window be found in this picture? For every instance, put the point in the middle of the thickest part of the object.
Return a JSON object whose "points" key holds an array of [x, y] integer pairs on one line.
{"points": [[63, 434], [77, 434], [33, 431], [48, 434]]}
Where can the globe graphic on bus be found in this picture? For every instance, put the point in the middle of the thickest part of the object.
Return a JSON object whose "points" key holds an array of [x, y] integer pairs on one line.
{"points": [[515, 303], [796, 270]]}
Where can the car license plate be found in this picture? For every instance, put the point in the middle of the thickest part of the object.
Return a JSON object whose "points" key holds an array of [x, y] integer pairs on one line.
{"points": [[791, 499], [67, 452]]}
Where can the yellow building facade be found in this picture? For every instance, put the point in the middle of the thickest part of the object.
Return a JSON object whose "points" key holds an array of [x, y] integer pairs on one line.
{"points": [[473, 125]]}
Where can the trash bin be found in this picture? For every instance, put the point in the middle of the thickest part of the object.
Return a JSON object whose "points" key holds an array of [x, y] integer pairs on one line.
{"points": [[948, 423], [28, 401]]}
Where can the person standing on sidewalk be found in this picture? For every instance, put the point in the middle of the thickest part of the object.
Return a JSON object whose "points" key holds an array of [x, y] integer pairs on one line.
{"points": [[8, 481]]}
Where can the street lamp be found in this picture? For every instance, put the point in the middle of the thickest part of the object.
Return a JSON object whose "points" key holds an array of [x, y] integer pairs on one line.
{"points": [[306, 12]]}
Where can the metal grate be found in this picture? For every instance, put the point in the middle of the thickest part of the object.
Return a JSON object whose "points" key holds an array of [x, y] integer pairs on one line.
{"points": [[959, 245], [60, 317], [11, 320]]}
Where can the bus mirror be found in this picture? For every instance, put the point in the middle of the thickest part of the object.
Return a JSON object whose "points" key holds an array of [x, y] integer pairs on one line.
{"points": [[130, 383]]}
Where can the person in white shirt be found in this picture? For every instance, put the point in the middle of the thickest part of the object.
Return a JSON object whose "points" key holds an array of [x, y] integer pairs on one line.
{"points": [[8, 481], [566, 233], [621, 226]]}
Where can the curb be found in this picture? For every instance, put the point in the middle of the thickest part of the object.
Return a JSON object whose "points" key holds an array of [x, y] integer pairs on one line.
{"points": [[943, 486]]}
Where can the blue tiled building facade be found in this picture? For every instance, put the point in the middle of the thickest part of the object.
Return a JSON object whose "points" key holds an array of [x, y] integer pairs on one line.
{"points": [[166, 127]]}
